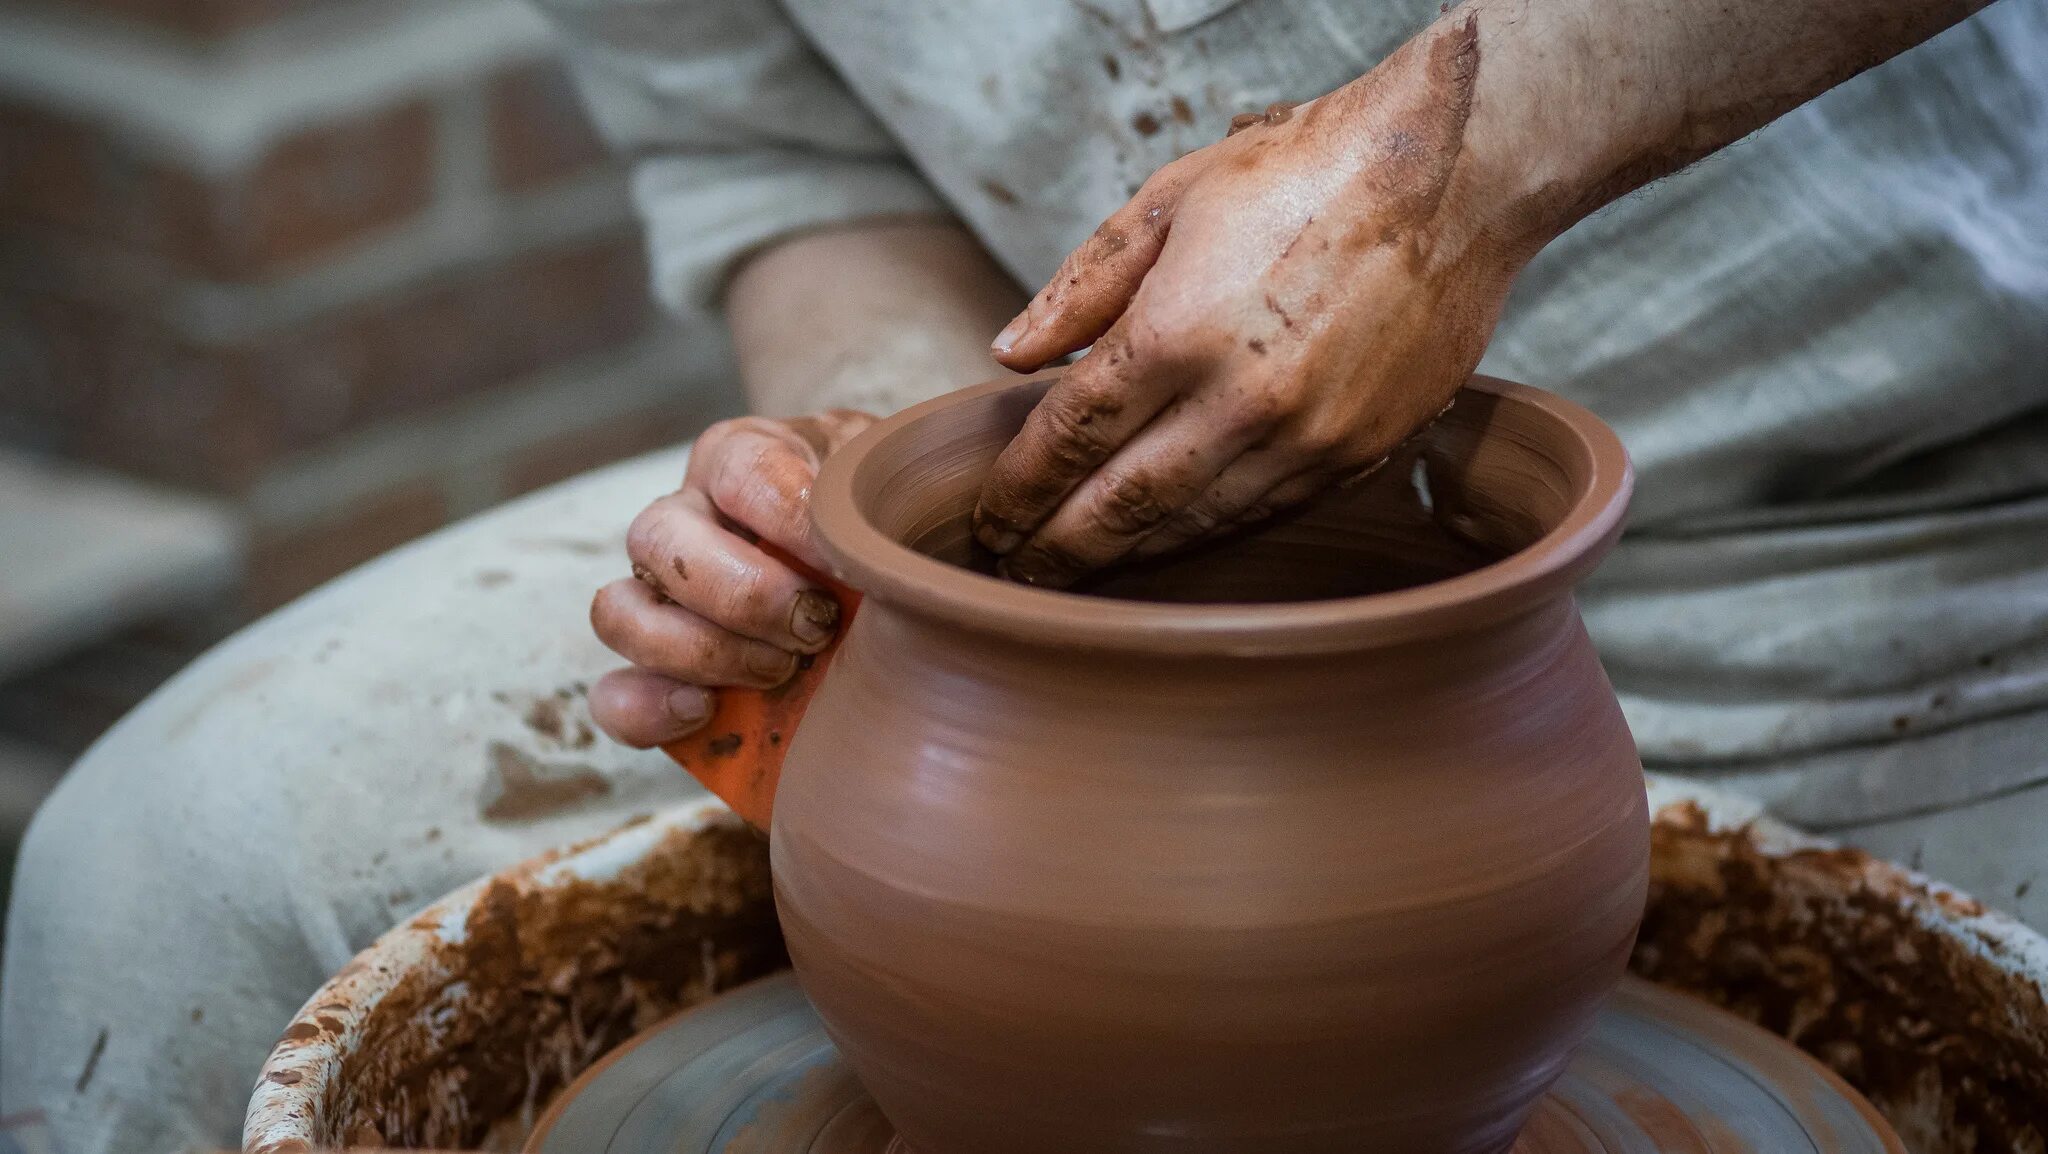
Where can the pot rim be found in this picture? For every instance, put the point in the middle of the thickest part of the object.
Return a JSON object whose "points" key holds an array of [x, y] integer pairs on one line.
{"points": [[892, 573]]}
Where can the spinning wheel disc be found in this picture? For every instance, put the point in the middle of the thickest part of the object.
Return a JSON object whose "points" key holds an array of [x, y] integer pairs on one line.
{"points": [[752, 1072]]}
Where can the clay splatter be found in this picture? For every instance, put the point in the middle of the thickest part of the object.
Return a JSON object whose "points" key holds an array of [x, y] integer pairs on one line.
{"points": [[520, 787], [92, 1062]]}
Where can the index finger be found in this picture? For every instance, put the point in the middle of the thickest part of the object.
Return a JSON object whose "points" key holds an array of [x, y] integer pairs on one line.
{"points": [[1096, 282], [1098, 406], [758, 476]]}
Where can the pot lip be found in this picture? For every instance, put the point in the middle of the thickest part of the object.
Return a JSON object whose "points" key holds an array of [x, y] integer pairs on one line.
{"points": [[892, 573]]}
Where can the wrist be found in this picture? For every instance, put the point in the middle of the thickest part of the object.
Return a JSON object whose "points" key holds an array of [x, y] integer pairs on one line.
{"points": [[1548, 140]]}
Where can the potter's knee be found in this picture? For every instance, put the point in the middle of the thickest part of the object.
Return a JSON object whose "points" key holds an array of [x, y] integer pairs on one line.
{"points": [[76, 848]]}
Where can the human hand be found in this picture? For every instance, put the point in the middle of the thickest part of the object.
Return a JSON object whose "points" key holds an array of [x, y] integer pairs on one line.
{"points": [[706, 606], [1271, 315]]}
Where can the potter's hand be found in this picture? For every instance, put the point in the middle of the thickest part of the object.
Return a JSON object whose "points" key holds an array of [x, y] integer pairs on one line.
{"points": [[1275, 313], [1271, 315], [705, 606]]}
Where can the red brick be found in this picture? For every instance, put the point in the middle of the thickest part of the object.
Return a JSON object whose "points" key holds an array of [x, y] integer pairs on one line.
{"points": [[141, 399], [48, 358], [144, 401], [539, 130], [53, 173], [483, 327], [585, 449], [285, 563], [309, 194], [198, 18]]}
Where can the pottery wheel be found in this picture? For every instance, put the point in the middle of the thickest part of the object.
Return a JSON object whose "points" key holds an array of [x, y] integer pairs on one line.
{"points": [[1662, 1073]]}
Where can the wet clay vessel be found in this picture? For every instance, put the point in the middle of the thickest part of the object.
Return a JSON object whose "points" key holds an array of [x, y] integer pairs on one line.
{"points": [[1327, 837]]}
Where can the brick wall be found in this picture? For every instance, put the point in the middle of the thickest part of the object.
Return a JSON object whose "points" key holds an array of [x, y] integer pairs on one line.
{"points": [[360, 266]]}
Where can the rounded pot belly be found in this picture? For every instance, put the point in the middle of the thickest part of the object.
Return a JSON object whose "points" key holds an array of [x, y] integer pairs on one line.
{"points": [[1049, 899]]}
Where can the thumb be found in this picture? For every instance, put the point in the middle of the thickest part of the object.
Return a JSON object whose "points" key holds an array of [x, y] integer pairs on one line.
{"points": [[1096, 282]]}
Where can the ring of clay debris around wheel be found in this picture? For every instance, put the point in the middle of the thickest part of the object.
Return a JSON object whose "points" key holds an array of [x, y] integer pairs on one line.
{"points": [[455, 1029]]}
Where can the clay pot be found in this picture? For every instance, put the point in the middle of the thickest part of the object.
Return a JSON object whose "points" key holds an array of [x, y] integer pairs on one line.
{"points": [[1330, 837]]}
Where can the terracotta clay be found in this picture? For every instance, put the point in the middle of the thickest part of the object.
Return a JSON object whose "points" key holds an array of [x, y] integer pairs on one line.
{"points": [[1328, 837], [750, 1072]]}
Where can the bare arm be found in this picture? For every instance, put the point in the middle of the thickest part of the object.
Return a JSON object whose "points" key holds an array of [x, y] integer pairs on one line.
{"points": [[874, 316], [1623, 92], [1274, 313]]}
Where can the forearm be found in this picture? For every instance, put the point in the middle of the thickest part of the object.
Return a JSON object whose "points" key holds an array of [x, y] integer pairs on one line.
{"points": [[873, 316], [1578, 102]]}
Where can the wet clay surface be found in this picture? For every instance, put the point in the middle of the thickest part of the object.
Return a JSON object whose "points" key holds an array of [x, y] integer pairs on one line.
{"points": [[753, 1072], [1823, 947], [537, 983], [1308, 872]]}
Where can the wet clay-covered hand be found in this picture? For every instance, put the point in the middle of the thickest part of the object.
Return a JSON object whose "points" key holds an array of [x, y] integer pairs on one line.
{"points": [[706, 605], [1271, 314]]}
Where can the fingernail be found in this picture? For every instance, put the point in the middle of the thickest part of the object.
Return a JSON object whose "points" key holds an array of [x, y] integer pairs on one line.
{"points": [[1012, 332], [813, 618], [998, 540], [766, 661], [691, 708], [1035, 568]]}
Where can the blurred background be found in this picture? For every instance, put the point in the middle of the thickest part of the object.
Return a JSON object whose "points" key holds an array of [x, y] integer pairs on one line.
{"points": [[284, 284]]}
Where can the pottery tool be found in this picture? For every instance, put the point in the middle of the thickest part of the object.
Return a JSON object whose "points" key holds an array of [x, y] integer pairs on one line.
{"points": [[738, 753]]}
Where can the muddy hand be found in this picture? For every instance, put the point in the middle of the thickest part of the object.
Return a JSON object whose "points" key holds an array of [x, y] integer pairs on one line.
{"points": [[1271, 315], [707, 605]]}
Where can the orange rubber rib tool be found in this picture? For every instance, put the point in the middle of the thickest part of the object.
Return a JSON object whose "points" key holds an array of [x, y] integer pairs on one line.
{"points": [[738, 754]]}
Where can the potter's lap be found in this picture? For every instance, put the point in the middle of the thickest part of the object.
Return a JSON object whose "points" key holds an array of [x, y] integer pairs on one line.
{"points": [[292, 794]]}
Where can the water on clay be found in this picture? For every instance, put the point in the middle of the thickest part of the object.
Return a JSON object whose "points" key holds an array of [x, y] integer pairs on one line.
{"points": [[752, 1072]]}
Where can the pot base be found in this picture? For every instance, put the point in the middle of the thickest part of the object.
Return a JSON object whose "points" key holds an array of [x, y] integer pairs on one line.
{"points": [[752, 1071]]}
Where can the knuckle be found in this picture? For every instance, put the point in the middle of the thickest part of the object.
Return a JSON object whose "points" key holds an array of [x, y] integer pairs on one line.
{"points": [[1173, 335], [1129, 505], [644, 537], [1001, 506], [741, 597], [713, 445], [1253, 513], [708, 654], [729, 477], [1168, 179], [763, 489], [714, 437], [1078, 428], [1321, 441], [1156, 335], [1197, 519], [1254, 414]]}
